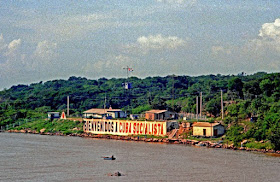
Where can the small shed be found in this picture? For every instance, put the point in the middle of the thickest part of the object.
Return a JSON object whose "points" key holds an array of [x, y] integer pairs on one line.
{"points": [[53, 115], [159, 115], [207, 129]]}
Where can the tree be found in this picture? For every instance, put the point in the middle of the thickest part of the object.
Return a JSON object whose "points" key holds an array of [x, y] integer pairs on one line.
{"points": [[159, 103], [235, 84], [272, 121], [214, 106], [235, 134], [267, 87]]}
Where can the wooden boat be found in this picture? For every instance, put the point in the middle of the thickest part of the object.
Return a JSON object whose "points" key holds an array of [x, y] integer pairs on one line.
{"points": [[109, 158]]}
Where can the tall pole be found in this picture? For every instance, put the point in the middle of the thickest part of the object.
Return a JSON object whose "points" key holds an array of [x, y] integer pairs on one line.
{"points": [[67, 106], [200, 104], [105, 106], [222, 104], [196, 107], [127, 72], [127, 84], [128, 69], [173, 92]]}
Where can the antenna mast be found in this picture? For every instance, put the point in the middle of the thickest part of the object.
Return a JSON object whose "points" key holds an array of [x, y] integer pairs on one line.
{"points": [[128, 69]]}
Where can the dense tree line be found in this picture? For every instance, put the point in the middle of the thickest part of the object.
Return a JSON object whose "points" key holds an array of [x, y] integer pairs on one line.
{"points": [[245, 96]]}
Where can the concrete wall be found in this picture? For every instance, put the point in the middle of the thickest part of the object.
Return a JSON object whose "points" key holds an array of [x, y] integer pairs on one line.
{"points": [[88, 115], [161, 116], [198, 131], [150, 116], [221, 129], [122, 114], [121, 127], [117, 114], [53, 115]]}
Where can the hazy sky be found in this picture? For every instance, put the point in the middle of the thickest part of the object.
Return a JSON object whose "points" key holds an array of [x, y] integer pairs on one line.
{"points": [[53, 39]]}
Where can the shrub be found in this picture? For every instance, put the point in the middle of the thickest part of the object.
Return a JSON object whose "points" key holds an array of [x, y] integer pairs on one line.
{"points": [[257, 145]]}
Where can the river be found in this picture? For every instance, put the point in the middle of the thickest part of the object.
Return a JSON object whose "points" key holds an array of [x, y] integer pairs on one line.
{"points": [[28, 157]]}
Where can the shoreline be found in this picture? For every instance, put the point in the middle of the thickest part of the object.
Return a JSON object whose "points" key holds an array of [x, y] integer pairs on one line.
{"points": [[188, 142]]}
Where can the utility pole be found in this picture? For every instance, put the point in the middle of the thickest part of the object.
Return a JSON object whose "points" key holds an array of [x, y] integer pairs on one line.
{"points": [[104, 107], [173, 91], [196, 107], [128, 69], [222, 104], [127, 85], [68, 106], [200, 104]]}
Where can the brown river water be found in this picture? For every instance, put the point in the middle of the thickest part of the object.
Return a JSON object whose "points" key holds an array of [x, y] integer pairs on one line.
{"points": [[28, 157]]}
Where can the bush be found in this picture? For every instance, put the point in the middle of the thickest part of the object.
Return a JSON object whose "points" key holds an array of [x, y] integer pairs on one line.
{"points": [[235, 134], [257, 145], [140, 109], [64, 126]]}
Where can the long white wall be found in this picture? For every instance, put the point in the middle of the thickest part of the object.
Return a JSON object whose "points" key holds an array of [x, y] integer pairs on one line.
{"points": [[124, 127]]}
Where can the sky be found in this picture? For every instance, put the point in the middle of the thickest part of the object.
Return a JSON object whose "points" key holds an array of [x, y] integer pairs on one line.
{"points": [[42, 40]]}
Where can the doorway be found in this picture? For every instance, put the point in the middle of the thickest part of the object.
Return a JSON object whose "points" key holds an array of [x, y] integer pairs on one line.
{"points": [[215, 132], [204, 132]]}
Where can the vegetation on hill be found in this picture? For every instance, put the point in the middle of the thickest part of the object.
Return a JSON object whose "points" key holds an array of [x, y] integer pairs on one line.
{"points": [[55, 126], [253, 96]]}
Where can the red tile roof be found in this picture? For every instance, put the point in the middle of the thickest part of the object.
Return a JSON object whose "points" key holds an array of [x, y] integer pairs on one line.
{"points": [[156, 111], [205, 124], [101, 111]]}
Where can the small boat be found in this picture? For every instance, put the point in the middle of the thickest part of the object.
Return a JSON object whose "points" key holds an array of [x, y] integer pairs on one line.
{"points": [[109, 158]]}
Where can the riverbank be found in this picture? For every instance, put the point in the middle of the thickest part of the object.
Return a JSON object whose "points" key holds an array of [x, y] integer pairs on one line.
{"points": [[189, 142]]}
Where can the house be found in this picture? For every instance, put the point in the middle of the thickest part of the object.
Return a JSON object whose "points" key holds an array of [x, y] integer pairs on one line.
{"points": [[53, 115], [159, 115], [206, 129], [104, 113]]}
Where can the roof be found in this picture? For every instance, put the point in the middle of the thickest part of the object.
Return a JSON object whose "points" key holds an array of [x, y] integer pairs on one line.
{"points": [[53, 112], [101, 111], [113, 110], [205, 124], [156, 111]]}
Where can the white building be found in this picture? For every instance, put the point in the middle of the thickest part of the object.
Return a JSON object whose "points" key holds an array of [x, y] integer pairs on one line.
{"points": [[101, 113], [53, 115], [208, 129]]}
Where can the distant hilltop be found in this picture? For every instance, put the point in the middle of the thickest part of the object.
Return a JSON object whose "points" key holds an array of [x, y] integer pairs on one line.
{"points": [[176, 93]]}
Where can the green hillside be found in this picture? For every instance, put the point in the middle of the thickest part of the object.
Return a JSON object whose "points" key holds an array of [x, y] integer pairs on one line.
{"points": [[244, 95]]}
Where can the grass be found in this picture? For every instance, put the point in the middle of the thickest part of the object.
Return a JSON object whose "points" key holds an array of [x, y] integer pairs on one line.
{"points": [[258, 145], [55, 126]]}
